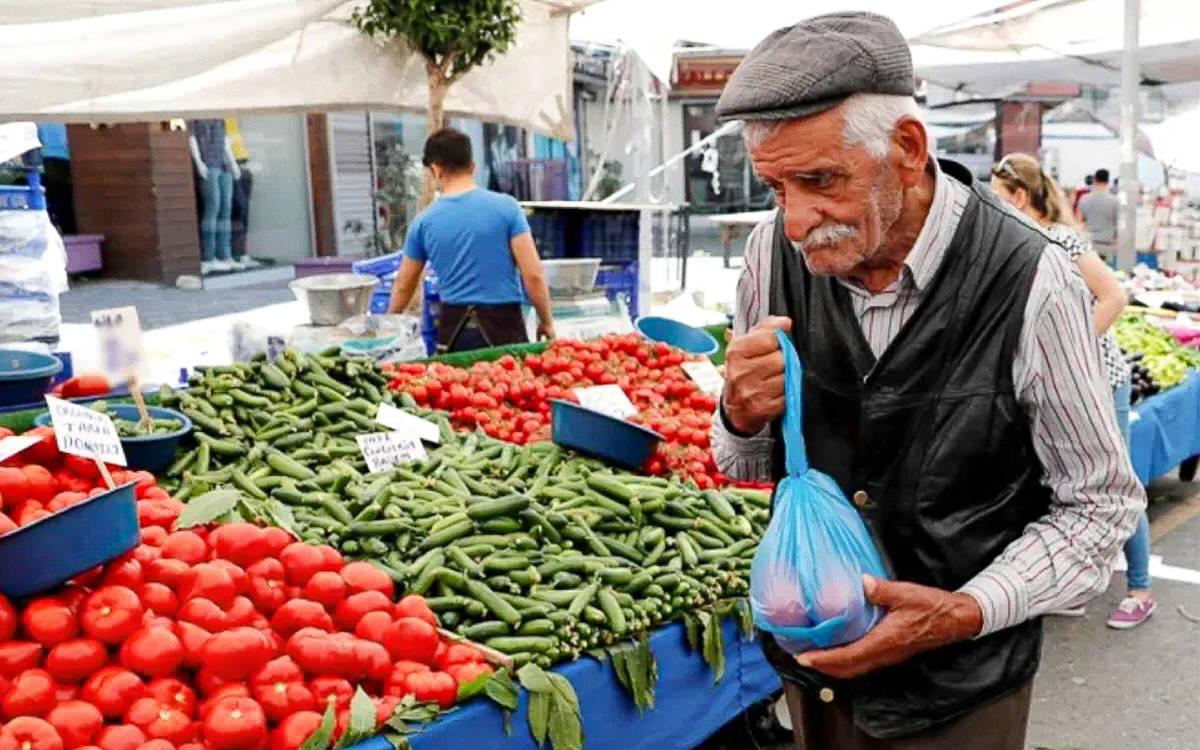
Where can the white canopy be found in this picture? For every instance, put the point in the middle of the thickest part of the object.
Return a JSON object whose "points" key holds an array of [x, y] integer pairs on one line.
{"points": [[81, 61]]}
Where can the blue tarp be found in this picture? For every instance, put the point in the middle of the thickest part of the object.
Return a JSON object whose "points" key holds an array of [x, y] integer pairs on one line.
{"points": [[1167, 429], [688, 708]]}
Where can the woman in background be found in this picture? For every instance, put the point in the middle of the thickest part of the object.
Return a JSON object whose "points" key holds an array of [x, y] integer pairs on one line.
{"points": [[1020, 180]]}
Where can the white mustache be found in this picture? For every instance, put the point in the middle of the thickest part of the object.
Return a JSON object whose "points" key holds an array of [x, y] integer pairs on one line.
{"points": [[825, 234]]}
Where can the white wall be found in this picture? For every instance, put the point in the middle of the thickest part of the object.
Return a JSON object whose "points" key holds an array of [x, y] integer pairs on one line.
{"points": [[279, 225]]}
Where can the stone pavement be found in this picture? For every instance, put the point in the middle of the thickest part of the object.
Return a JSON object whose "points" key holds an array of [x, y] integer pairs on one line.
{"points": [[160, 306]]}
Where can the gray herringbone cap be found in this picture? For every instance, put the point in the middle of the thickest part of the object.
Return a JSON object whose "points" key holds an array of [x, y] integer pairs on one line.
{"points": [[812, 66]]}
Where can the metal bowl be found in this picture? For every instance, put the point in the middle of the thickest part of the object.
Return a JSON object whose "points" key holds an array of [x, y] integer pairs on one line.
{"points": [[334, 297], [572, 275]]}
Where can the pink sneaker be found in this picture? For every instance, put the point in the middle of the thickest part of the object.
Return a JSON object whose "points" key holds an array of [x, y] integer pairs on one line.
{"points": [[1131, 612]]}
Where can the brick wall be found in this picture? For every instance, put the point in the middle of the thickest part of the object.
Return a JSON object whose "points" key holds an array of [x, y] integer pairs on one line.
{"points": [[133, 183]]}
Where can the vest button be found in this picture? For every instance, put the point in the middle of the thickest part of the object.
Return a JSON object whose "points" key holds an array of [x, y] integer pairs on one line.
{"points": [[826, 695], [861, 498]]}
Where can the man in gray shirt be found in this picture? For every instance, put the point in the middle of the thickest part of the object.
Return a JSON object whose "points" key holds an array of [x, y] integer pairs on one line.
{"points": [[1099, 209]]}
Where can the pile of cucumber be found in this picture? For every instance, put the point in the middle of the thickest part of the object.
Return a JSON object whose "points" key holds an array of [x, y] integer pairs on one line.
{"points": [[534, 551]]}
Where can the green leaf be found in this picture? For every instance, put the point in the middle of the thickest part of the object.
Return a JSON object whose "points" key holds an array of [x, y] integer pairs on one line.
{"points": [[281, 515], [396, 740], [468, 690], [534, 679], [692, 628], [745, 619], [207, 508], [508, 724], [362, 717], [319, 740], [501, 689], [598, 654], [620, 660], [714, 645], [638, 667], [422, 714], [539, 716], [566, 729], [565, 691]]}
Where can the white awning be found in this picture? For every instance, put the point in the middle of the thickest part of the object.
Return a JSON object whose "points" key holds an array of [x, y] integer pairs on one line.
{"points": [[83, 61]]}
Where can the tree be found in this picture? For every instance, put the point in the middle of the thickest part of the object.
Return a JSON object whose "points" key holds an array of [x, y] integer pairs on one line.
{"points": [[454, 36]]}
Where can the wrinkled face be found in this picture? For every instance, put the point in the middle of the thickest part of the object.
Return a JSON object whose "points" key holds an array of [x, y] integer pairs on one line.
{"points": [[838, 202]]}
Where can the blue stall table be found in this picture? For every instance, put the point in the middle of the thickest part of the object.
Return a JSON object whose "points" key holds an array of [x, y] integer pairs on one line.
{"points": [[689, 707], [1166, 430]]}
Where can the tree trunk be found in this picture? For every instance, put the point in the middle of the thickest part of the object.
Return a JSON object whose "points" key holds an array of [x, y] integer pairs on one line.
{"points": [[435, 120]]}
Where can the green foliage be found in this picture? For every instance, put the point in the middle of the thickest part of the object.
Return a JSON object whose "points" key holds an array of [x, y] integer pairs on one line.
{"points": [[453, 35]]}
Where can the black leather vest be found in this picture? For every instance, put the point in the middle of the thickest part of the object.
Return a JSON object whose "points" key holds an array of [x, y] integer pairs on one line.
{"points": [[933, 434]]}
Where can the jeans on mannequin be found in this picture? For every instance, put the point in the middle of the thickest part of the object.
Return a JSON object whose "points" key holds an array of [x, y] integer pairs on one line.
{"points": [[1137, 549], [215, 218]]}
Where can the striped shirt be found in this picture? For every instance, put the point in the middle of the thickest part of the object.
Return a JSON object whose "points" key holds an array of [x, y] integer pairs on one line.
{"points": [[1066, 557]]}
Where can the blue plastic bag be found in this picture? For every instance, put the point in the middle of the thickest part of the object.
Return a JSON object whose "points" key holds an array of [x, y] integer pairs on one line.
{"points": [[806, 580]]}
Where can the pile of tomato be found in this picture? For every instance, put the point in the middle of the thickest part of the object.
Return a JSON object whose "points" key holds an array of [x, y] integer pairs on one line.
{"points": [[225, 638], [510, 398]]}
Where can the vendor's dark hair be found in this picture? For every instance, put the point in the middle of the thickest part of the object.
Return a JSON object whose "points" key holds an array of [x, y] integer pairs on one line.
{"points": [[448, 148], [1102, 175]]}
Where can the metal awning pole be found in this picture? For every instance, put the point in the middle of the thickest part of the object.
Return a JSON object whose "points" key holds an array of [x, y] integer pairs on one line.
{"points": [[1130, 77]]}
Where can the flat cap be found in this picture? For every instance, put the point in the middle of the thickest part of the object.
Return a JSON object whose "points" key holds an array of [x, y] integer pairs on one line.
{"points": [[812, 66]]}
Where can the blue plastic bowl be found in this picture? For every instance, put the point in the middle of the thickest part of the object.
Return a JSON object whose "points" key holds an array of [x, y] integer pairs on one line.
{"points": [[589, 431], [55, 549], [25, 376], [680, 335], [150, 452]]}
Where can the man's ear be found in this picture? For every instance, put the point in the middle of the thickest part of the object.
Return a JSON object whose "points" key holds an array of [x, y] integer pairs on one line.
{"points": [[910, 150]]}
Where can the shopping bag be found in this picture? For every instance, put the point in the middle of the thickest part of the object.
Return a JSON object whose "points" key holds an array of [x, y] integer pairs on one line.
{"points": [[806, 579]]}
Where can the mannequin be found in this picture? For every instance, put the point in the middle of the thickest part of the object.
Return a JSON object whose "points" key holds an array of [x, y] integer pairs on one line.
{"points": [[242, 185], [216, 168]]}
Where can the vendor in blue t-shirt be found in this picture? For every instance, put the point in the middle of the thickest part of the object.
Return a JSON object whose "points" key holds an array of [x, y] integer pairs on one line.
{"points": [[477, 241]]}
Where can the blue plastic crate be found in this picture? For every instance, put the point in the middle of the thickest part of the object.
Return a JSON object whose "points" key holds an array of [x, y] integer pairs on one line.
{"points": [[609, 235], [382, 266], [620, 280], [549, 233], [380, 300]]}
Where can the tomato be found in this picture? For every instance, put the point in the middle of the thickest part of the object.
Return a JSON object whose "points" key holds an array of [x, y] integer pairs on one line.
{"points": [[30, 694], [236, 653], [433, 687], [124, 571], [186, 546], [241, 581], [468, 672], [48, 621], [279, 688], [411, 639], [240, 543], [174, 693], [208, 581], [373, 625], [333, 690], [8, 619], [319, 653], [301, 561], [86, 384], [326, 588], [158, 744], [204, 613], [193, 638], [274, 540], [459, 653], [42, 485], [120, 737], [158, 511], [397, 682], [6, 523], [77, 722], [294, 730], [74, 660], [350, 611], [361, 576], [300, 613], [165, 570], [30, 733], [153, 652], [235, 724], [160, 720], [160, 599], [14, 486], [111, 614], [216, 690], [372, 660], [415, 605], [18, 656]]}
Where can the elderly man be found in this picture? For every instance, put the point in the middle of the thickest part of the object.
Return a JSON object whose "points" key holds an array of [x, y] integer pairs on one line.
{"points": [[952, 388]]}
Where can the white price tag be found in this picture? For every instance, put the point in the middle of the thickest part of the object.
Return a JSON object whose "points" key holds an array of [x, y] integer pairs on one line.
{"points": [[14, 444], [401, 421], [607, 399], [83, 432], [705, 375], [384, 450], [119, 335]]}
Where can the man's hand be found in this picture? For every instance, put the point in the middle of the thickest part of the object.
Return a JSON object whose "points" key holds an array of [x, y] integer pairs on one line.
{"points": [[918, 618], [545, 329], [754, 377]]}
